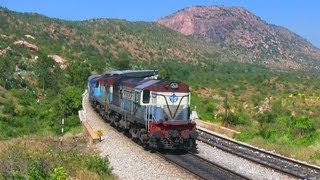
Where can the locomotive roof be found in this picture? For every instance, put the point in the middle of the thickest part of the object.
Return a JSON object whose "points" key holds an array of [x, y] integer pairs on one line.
{"points": [[155, 85], [135, 73]]}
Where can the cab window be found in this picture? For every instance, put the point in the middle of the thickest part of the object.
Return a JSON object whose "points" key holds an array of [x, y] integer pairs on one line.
{"points": [[146, 96]]}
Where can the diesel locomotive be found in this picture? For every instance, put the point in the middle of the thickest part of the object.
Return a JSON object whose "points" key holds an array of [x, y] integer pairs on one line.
{"points": [[155, 112]]}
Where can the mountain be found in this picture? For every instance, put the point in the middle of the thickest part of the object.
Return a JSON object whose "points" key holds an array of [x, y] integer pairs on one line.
{"points": [[248, 38]]}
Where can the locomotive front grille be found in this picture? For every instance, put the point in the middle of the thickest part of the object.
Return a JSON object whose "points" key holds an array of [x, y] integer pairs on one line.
{"points": [[174, 112]]}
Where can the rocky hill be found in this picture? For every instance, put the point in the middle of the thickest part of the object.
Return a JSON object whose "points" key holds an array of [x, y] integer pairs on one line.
{"points": [[246, 36], [104, 38]]}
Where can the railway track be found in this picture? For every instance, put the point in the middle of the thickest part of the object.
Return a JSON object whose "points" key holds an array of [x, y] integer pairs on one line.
{"points": [[200, 167], [282, 164]]}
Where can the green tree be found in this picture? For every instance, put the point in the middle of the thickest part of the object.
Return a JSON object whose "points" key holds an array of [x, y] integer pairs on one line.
{"points": [[78, 73], [164, 73], [47, 73], [70, 100]]}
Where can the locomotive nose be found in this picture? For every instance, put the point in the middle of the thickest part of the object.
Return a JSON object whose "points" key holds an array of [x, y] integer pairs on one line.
{"points": [[194, 134], [174, 133]]}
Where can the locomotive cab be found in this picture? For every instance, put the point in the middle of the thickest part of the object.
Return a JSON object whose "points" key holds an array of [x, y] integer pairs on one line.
{"points": [[166, 102], [167, 114]]}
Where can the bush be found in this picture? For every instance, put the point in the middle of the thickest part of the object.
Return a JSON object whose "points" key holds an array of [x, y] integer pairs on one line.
{"points": [[210, 108], [233, 119], [59, 173], [99, 165], [266, 118], [269, 134], [46, 159], [37, 170], [302, 126], [246, 135]]}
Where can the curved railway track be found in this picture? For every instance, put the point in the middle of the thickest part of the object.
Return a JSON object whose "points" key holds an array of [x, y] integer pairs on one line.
{"points": [[201, 167], [282, 164]]}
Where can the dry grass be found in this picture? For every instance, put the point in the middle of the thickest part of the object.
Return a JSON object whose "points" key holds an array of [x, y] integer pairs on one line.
{"points": [[18, 154]]}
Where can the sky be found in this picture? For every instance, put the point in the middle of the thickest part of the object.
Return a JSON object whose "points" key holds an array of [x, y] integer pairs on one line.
{"points": [[301, 17]]}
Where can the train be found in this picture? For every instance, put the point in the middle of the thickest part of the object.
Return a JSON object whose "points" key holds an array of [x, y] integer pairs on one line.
{"points": [[154, 112]]}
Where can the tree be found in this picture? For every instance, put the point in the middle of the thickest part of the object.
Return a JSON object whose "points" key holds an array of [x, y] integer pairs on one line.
{"points": [[164, 73], [46, 72], [70, 100], [77, 74]]}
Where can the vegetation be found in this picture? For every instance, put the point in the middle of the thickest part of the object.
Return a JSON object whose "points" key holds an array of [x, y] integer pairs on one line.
{"points": [[46, 159]]}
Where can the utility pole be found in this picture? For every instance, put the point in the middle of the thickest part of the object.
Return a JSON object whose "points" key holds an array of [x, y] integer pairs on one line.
{"points": [[43, 84], [226, 107], [62, 131]]}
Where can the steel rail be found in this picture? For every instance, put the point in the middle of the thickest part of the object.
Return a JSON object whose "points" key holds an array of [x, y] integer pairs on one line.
{"points": [[201, 167], [271, 160]]}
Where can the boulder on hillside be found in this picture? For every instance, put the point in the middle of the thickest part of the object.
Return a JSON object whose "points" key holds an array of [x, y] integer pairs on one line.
{"points": [[59, 60], [29, 36], [30, 46], [4, 51]]}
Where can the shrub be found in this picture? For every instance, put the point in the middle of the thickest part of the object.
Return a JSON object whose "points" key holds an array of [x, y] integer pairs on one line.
{"points": [[246, 135], [269, 134], [266, 118], [37, 170], [99, 165], [233, 119], [302, 126], [59, 173], [210, 108]]}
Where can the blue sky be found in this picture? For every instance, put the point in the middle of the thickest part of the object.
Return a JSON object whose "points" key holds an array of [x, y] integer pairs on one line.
{"points": [[301, 17]]}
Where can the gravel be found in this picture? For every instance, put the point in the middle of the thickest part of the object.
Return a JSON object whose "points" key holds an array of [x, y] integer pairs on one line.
{"points": [[238, 164], [131, 161]]}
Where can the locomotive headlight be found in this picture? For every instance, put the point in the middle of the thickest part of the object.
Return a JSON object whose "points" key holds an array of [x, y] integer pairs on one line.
{"points": [[174, 85], [157, 129]]}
